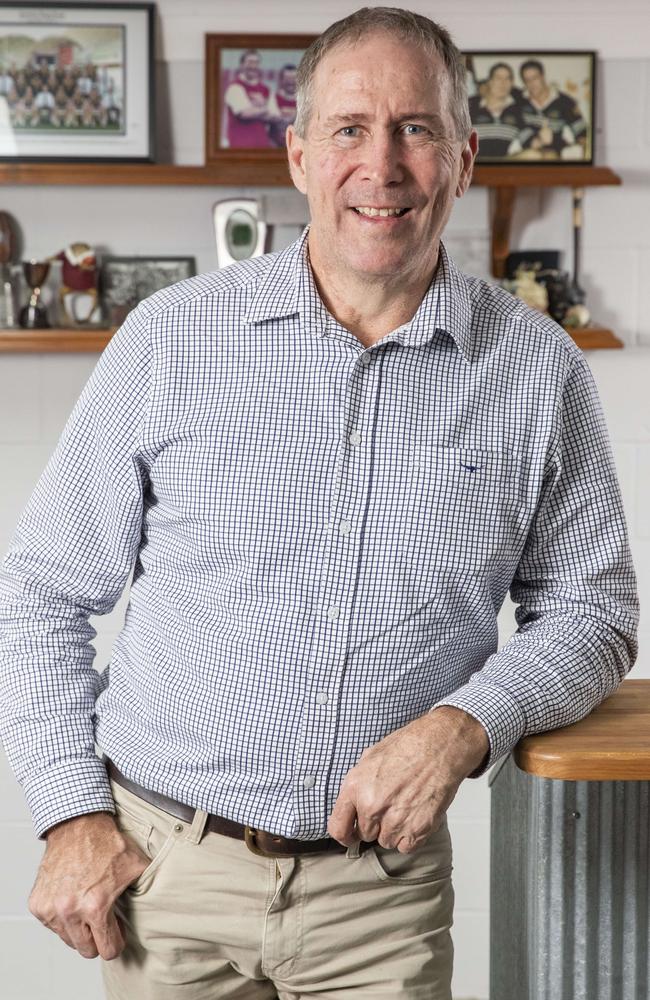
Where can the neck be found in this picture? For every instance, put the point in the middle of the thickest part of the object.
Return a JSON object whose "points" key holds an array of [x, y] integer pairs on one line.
{"points": [[369, 307]]}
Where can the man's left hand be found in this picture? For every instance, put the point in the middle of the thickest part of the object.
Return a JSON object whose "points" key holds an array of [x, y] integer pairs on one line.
{"points": [[401, 788]]}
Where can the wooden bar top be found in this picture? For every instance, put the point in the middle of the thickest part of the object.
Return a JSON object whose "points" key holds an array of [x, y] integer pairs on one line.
{"points": [[611, 744]]}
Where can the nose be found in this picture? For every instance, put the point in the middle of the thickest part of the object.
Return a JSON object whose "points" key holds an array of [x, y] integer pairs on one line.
{"points": [[382, 162]]}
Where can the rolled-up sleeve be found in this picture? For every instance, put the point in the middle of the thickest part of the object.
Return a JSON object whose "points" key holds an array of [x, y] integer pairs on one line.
{"points": [[575, 589], [69, 558]]}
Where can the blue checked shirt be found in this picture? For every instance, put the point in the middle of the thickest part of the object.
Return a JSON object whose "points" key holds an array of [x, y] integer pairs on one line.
{"points": [[321, 537]]}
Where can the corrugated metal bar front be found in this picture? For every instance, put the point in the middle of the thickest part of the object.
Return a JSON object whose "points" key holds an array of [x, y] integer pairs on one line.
{"points": [[569, 888]]}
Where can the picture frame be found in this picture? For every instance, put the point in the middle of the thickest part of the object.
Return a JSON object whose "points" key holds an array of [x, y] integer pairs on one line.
{"points": [[533, 106], [243, 72], [77, 82], [126, 281]]}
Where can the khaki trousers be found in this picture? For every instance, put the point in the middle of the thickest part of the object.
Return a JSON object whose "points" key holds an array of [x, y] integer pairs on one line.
{"points": [[209, 919]]}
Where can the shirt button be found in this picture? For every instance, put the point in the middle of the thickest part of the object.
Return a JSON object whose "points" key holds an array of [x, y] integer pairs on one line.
{"points": [[309, 781], [345, 527], [365, 359], [355, 437], [322, 697], [333, 612]]}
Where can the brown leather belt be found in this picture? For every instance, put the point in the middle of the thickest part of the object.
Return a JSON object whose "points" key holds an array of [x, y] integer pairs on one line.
{"points": [[261, 842]]}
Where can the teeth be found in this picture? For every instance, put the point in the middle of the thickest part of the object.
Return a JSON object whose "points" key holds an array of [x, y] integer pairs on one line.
{"points": [[381, 211]]}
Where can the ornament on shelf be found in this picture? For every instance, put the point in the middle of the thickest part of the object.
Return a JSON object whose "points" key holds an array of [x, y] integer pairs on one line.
{"points": [[79, 281], [577, 316], [33, 315], [527, 288]]}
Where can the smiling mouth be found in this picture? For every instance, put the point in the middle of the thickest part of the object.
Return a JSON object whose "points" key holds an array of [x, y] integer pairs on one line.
{"points": [[383, 213]]}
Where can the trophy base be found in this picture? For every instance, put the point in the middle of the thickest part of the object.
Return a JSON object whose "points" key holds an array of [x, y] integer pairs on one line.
{"points": [[33, 318]]}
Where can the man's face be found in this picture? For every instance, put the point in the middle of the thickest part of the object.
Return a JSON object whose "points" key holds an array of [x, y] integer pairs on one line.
{"points": [[534, 81], [288, 81], [251, 67], [381, 136], [501, 82]]}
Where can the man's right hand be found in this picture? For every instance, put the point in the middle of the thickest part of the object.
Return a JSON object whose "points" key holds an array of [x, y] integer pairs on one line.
{"points": [[87, 864]]}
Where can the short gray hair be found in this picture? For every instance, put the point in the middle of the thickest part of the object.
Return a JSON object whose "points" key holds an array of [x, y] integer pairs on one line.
{"points": [[403, 24]]}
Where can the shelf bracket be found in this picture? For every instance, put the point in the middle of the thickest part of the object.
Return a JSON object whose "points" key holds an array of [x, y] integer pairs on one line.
{"points": [[503, 201]]}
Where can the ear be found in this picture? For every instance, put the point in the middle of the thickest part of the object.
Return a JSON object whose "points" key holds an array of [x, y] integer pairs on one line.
{"points": [[468, 156], [296, 154]]}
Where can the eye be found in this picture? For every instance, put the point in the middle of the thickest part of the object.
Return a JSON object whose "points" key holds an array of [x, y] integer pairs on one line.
{"points": [[348, 130], [418, 129]]}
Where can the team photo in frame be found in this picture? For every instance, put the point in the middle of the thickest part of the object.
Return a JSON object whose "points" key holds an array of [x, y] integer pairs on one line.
{"points": [[76, 82]]}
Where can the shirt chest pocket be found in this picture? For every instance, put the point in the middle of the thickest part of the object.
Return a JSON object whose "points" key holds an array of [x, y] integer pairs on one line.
{"points": [[469, 502]]}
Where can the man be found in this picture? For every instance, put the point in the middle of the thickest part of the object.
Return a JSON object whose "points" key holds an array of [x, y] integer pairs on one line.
{"points": [[247, 105], [46, 104], [284, 104], [327, 466], [497, 115], [558, 127]]}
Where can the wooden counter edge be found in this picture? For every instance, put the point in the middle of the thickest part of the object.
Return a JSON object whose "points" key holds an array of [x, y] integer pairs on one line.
{"points": [[567, 753], [586, 766]]}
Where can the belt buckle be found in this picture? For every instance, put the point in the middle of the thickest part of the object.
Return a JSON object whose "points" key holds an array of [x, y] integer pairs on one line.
{"points": [[251, 844]]}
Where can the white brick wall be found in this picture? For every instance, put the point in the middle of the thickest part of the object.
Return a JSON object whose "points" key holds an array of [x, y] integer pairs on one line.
{"points": [[38, 392]]}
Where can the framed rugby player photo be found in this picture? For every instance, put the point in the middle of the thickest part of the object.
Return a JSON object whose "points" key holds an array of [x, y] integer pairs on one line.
{"points": [[77, 82], [250, 95], [532, 106]]}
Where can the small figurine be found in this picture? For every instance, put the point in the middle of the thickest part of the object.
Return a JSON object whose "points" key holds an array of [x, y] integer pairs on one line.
{"points": [[79, 280], [577, 316], [525, 286]]}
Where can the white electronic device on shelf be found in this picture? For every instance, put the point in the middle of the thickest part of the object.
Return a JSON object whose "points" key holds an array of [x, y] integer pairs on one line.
{"points": [[239, 231]]}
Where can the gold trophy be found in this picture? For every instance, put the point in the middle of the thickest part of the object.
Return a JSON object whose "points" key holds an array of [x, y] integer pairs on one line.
{"points": [[33, 316]]}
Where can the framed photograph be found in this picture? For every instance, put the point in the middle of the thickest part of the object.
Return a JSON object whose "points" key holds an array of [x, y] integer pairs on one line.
{"points": [[125, 281], [532, 107], [76, 82], [250, 94]]}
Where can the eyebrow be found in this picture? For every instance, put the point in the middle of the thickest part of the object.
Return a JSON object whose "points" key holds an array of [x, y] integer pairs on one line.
{"points": [[346, 118]]}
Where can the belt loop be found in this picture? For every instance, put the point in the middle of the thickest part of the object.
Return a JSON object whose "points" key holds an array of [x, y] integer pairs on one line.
{"points": [[353, 850], [198, 826]]}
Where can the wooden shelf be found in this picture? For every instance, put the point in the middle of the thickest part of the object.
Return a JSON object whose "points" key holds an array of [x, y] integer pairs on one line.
{"points": [[64, 340], [275, 173], [54, 340], [539, 175], [591, 338]]}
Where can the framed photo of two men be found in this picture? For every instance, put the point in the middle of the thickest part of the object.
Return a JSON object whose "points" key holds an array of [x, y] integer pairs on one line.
{"points": [[532, 106], [250, 95]]}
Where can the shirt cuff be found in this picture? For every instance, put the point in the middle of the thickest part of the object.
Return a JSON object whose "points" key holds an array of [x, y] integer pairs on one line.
{"points": [[69, 789], [500, 715]]}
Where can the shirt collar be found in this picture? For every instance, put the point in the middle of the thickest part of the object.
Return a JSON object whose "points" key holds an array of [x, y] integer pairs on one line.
{"points": [[288, 288], [511, 100], [553, 94]]}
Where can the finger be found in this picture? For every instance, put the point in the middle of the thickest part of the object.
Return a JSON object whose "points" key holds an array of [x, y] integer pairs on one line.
{"points": [[82, 939], [406, 844], [341, 822], [368, 829], [57, 929], [108, 936]]}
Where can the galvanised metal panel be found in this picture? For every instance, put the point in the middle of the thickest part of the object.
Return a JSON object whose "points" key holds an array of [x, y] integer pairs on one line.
{"points": [[569, 888]]}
